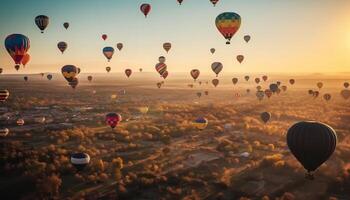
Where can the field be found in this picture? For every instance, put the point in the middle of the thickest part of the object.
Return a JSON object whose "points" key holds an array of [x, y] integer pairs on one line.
{"points": [[160, 154]]}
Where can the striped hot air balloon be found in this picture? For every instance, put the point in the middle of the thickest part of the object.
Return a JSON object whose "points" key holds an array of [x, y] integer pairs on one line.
{"points": [[42, 22], [217, 67], [228, 24], [69, 72], [200, 123], [17, 46], [161, 68], [62, 46]]}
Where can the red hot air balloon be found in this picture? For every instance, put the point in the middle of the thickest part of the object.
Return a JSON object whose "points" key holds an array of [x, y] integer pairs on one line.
{"points": [[128, 72], [17, 46], [113, 119], [145, 8], [104, 37], [265, 78], [165, 74]]}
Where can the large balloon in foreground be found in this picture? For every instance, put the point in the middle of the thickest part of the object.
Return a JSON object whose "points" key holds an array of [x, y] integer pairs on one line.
{"points": [[17, 46], [4, 94], [62, 46], [200, 123], [69, 72], [80, 160], [312, 143], [113, 119], [145, 8], [120, 46], [195, 74], [42, 22], [108, 52], [265, 117], [228, 24], [217, 67]]}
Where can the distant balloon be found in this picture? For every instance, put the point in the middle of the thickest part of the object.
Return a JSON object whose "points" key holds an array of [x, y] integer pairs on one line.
{"points": [[80, 160], [42, 74], [78, 70], [265, 78], [217, 67], [42, 22], [215, 82], [206, 93], [104, 37], [69, 72], [145, 9], [62, 46], [265, 117], [240, 58], [327, 97], [292, 81], [257, 80], [268, 93], [17, 67], [17, 46], [273, 87], [214, 2], [4, 94], [26, 59], [113, 119], [140, 70], [143, 109], [312, 143], [260, 95], [20, 122], [247, 38], [49, 77], [66, 25], [284, 88], [108, 69], [345, 94], [212, 50], [228, 24], [315, 93], [128, 72], [346, 84], [165, 74], [89, 78], [200, 123], [1, 70], [319, 85], [4, 132], [195, 74], [120, 46], [246, 78], [278, 83], [167, 46], [161, 59], [234, 81], [108, 52], [248, 91], [180, 1], [199, 94], [161, 68], [25, 78], [159, 85]]}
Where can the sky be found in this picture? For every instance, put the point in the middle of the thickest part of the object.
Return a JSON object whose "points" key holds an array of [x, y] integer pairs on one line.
{"points": [[300, 36]]}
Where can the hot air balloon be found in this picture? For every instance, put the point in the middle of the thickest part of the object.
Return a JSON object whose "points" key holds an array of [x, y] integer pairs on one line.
{"points": [[4, 94], [200, 123], [42, 22], [161, 68], [217, 67], [206, 93], [49, 76], [62, 46], [240, 58], [66, 25], [312, 143], [246, 78], [89, 78], [113, 119], [108, 69], [20, 122], [265, 117], [17, 67], [215, 82], [346, 84], [228, 24], [108, 52], [1, 70], [284, 88], [69, 72], [199, 94], [278, 83], [74, 83], [4, 132], [248, 91], [264, 78], [273, 87], [327, 97], [26, 59], [165, 74], [25, 78], [260, 95], [180, 1], [104, 37], [195, 74], [247, 38], [128, 72], [167, 46], [145, 8], [292, 81], [258, 87], [268, 93], [310, 92], [161, 59], [159, 85], [234, 81], [212, 50], [120, 46], [17, 46], [80, 160], [214, 2], [257, 80], [42, 74], [345, 94], [319, 85], [315, 93]]}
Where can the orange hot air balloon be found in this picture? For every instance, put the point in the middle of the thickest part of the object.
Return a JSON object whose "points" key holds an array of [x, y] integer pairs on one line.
{"points": [[195, 74], [240, 58], [215, 82], [128, 72], [26, 59], [228, 24]]}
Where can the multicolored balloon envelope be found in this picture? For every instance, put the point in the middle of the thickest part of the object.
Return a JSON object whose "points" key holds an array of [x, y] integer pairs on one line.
{"points": [[200, 123], [17, 46], [80, 160], [42, 22], [113, 119], [228, 24], [69, 72], [108, 52]]}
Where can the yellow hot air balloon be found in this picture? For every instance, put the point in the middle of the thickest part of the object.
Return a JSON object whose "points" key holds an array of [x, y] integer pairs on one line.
{"points": [[200, 123]]}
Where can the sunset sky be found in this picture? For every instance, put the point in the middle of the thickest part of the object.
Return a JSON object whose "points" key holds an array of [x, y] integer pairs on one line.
{"points": [[300, 36]]}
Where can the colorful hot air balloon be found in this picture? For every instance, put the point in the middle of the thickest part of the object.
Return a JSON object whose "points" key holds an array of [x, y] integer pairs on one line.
{"points": [[42, 22], [228, 24], [212, 50], [66, 25], [145, 9], [291, 81], [217, 67], [89, 78], [108, 69], [265, 117], [240, 58], [17, 46], [49, 77], [165, 74], [246, 78], [247, 38], [161, 68], [80, 160], [104, 37], [62, 46], [128, 72], [161, 59], [120, 46], [345, 94], [26, 59], [234, 81], [113, 119], [265, 78], [4, 94], [311, 143], [200, 123], [215, 82], [108, 52], [195, 74], [257, 80], [214, 2], [346, 84], [69, 72], [167, 46]]}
